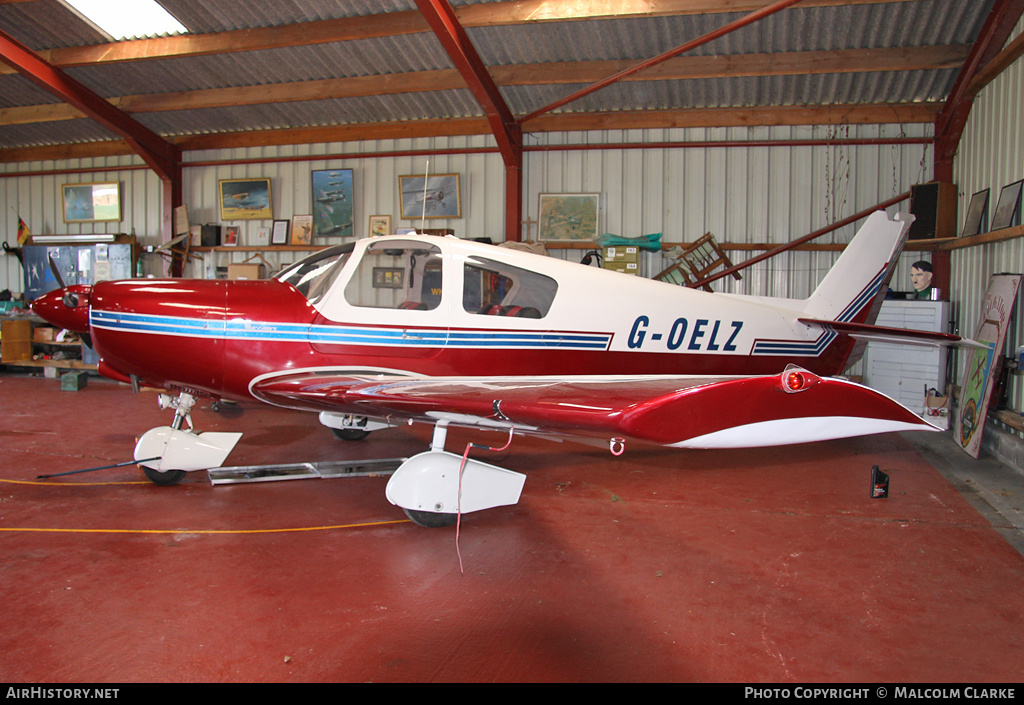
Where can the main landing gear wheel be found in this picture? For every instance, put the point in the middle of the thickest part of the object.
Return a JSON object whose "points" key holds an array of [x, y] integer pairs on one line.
{"points": [[350, 434], [170, 477], [430, 520]]}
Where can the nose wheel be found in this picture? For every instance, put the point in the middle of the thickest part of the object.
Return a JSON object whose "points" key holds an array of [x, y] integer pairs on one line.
{"points": [[430, 520], [166, 478], [166, 453]]}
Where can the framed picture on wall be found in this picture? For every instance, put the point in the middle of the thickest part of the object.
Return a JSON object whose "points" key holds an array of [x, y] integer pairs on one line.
{"points": [[302, 230], [332, 202], [388, 277], [92, 203], [568, 217], [1007, 211], [279, 235], [245, 199], [436, 196], [380, 225], [977, 215]]}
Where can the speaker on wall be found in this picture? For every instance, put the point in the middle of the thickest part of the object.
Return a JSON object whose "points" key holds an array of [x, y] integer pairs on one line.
{"points": [[210, 235], [934, 208]]}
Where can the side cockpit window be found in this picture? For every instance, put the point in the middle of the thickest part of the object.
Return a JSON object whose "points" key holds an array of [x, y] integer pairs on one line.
{"points": [[494, 288], [397, 274]]}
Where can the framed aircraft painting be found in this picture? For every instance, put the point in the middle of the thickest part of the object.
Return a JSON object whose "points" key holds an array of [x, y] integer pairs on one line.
{"points": [[435, 196], [92, 203], [568, 217], [245, 199], [332, 202], [302, 230], [380, 225]]}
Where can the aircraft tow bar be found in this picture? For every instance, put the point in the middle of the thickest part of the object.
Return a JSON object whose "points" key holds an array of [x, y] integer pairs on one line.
{"points": [[238, 474], [102, 467]]}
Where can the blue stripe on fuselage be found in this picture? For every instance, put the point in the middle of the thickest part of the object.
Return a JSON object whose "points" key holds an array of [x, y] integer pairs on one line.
{"points": [[340, 334]]}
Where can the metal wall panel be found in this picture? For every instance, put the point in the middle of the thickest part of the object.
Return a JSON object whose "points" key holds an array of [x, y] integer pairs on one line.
{"points": [[742, 194], [991, 156], [35, 197]]}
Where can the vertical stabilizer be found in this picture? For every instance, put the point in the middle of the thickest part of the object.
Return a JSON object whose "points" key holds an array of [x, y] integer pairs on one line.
{"points": [[854, 288]]}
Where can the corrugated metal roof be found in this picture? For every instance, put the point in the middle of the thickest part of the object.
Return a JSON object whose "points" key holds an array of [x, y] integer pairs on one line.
{"points": [[45, 24]]}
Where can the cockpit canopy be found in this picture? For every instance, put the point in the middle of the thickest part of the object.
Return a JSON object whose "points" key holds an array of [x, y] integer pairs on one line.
{"points": [[409, 274]]}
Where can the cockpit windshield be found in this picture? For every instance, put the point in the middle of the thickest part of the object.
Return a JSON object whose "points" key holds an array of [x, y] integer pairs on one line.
{"points": [[313, 275]]}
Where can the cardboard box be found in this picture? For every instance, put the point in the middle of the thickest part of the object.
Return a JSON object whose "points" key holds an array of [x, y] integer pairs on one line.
{"points": [[44, 334], [246, 271], [618, 253], [623, 267], [16, 341]]}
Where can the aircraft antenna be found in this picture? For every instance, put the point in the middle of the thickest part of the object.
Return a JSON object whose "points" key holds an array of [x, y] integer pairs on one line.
{"points": [[423, 216]]}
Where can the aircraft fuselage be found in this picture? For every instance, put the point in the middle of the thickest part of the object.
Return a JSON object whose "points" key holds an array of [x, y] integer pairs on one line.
{"points": [[438, 307]]}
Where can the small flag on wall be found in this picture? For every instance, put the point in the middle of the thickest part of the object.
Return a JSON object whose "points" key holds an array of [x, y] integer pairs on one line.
{"points": [[23, 232]]}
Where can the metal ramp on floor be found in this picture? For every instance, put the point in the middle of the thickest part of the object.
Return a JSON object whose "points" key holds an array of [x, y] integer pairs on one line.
{"points": [[304, 471]]}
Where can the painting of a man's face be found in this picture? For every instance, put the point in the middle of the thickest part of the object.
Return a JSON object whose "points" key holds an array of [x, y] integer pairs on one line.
{"points": [[920, 278]]}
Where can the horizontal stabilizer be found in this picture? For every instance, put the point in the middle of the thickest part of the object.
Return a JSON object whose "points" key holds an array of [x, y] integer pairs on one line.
{"points": [[885, 334]]}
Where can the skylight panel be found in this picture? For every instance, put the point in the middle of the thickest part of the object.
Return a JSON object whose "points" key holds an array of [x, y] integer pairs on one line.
{"points": [[127, 19]]}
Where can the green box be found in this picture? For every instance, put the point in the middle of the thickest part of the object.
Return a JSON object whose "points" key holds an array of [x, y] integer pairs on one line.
{"points": [[73, 381], [620, 253], [623, 267]]}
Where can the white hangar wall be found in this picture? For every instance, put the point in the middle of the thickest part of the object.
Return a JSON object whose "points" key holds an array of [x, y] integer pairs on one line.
{"points": [[683, 184], [759, 195], [991, 156]]}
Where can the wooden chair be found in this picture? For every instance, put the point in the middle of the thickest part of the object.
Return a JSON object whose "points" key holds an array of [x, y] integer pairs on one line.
{"points": [[697, 261]]}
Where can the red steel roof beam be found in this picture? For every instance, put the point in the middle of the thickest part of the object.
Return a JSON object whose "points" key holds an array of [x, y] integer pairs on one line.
{"points": [[157, 152], [442, 20], [949, 126], [160, 155]]}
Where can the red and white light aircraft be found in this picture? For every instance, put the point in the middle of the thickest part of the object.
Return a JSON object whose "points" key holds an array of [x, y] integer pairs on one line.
{"points": [[444, 331]]}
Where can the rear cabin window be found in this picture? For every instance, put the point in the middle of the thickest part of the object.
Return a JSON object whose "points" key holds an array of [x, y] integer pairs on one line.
{"points": [[493, 288], [397, 274]]}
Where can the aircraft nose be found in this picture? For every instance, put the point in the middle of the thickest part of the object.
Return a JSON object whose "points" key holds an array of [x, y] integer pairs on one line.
{"points": [[65, 308]]}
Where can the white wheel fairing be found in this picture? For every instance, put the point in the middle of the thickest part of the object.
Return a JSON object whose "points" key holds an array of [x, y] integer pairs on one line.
{"points": [[175, 449], [430, 482]]}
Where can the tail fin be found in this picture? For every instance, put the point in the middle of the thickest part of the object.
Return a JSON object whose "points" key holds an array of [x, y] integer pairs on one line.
{"points": [[853, 290]]}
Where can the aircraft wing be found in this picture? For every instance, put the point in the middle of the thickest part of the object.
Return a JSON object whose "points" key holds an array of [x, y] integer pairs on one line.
{"points": [[885, 334], [687, 412]]}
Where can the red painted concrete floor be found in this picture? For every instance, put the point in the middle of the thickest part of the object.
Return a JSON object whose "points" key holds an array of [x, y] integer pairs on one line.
{"points": [[760, 566]]}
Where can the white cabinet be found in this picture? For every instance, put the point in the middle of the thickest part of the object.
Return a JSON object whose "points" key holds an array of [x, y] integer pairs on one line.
{"points": [[903, 372]]}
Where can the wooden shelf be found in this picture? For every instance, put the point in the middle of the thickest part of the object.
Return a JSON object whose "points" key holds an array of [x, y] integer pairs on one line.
{"points": [[260, 248], [47, 346], [952, 243], [983, 238], [64, 364], [1012, 419]]}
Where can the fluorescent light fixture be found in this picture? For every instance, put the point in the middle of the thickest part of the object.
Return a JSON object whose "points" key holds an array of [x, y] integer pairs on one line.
{"points": [[70, 239], [127, 19]]}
